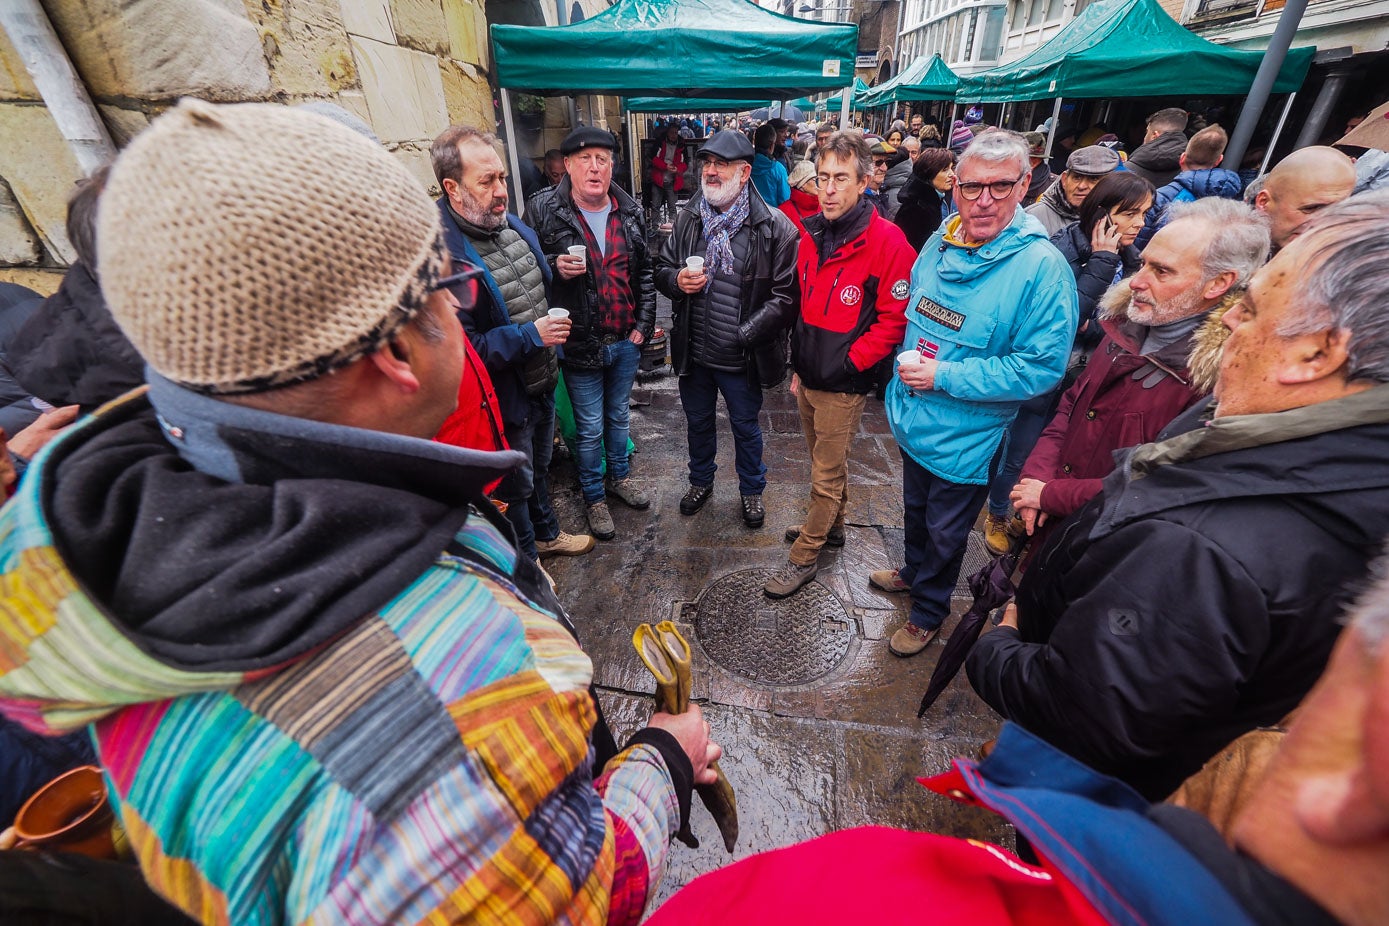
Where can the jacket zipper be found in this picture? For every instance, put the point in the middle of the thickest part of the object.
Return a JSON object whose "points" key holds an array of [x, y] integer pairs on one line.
{"points": [[833, 286]]}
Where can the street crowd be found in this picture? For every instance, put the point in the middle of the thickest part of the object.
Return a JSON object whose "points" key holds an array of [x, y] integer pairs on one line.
{"points": [[279, 478]]}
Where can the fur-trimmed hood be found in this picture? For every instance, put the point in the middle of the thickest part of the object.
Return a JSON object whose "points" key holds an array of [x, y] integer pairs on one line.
{"points": [[1203, 360]]}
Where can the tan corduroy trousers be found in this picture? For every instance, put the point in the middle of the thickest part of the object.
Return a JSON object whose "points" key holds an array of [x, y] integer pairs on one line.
{"points": [[829, 421]]}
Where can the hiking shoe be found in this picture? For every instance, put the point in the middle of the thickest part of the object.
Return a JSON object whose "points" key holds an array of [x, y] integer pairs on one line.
{"points": [[565, 545], [753, 512], [887, 580], [600, 521], [999, 532], [629, 494], [910, 640], [835, 537], [694, 498], [788, 580]]}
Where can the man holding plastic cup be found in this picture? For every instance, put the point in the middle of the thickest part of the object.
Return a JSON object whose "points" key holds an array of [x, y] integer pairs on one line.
{"points": [[729, 268], [594, 236], [991, 311]]}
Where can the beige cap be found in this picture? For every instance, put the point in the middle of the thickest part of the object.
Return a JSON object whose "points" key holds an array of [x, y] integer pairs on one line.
{"points": [[250, 246]]}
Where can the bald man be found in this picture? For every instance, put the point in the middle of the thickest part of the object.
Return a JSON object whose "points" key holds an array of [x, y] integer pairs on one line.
{"points": [[1303, 183]]}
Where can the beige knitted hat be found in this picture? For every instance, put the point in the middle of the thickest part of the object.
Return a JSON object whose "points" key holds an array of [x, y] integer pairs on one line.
{"points": [[251, 246]]}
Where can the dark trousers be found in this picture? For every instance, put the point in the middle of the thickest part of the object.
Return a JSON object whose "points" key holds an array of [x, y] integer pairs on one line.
{"points": [[938, 516], [527, 489], [699, 394]]}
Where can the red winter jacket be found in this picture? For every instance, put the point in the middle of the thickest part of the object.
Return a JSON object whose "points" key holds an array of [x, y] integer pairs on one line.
{"points": [[799, 207], [659, 165], [853, 302], [476, 423], [1107, 409]]}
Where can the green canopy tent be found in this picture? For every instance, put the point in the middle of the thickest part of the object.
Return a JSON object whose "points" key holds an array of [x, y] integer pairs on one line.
{"points": [[1126, 48], [860, 91], [688, 49], [924, 79], [677, 48]]}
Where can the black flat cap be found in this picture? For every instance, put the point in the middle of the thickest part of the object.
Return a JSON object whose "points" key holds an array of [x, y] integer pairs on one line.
{"points": [[729, 145], [587, 137]]}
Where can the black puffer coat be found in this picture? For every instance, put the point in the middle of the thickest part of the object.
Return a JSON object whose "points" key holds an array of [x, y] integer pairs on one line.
{"points": [[551, 213], [756, 313], [1199, 595]]}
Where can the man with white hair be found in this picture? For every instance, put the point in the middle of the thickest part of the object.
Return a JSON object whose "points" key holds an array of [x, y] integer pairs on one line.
{"points": [[1199, 595], [992, 311], [1139, 377], [730, 315]]}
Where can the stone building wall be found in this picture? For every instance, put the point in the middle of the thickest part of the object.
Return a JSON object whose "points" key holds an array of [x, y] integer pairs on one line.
{"points": [[408, 67]]}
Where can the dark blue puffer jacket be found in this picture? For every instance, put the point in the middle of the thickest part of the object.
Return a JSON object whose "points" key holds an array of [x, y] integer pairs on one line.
{"points": [[1187, 186]]}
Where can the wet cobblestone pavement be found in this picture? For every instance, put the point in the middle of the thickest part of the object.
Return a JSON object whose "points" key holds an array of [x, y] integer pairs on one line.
{"points": [[817, 718]]}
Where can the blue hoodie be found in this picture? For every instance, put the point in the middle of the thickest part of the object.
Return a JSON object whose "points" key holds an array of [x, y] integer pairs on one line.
{"points": [[1188, 186], [1000, 318], [769, 178]]}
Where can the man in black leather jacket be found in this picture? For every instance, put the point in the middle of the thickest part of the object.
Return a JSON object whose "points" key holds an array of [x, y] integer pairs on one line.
{"points": [[730, 316], [612, 306]]}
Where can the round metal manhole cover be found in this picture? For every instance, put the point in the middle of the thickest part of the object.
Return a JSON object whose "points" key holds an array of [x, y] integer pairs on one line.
{"points": [[789, 642]]}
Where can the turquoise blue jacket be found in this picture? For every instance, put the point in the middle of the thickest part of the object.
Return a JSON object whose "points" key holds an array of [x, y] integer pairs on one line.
{"points": [[1000, 320]]}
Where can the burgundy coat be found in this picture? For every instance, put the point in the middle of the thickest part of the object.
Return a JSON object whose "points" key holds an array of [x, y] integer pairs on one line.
{"points": [[1113, 404]]}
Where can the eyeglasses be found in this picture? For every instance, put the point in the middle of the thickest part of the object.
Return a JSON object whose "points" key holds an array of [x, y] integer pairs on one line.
{"points": [[463, 285], [880, 162], [825, 181], [998, 189]]}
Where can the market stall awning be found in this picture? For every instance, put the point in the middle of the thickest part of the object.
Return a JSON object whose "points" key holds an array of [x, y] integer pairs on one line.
{"points": [[836, 102], [684, 104], [720, 49], [1128, 48], [924, 79]]}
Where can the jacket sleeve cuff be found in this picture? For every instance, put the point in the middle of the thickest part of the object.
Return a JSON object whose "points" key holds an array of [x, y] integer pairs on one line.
{"points": [[679, 766], [943, 373]]}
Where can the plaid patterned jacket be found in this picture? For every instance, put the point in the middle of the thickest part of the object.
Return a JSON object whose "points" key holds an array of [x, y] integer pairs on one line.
{"points": [[430, 762]]}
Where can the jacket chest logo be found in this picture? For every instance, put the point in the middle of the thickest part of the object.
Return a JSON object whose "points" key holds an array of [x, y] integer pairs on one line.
{"points": [[940, 314], [851, 295]]}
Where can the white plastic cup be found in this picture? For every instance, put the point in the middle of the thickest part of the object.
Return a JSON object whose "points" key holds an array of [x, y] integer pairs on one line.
{"points": [[579, 251], [559, 313], [694, 264], [908, 357]]}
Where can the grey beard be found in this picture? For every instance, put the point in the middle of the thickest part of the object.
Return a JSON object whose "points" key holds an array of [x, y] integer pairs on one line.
{"points": [[1183, 305], [475, 213], [721, 198]]}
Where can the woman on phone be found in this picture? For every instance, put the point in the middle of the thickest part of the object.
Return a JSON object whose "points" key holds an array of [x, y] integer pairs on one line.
{"points": [[925, 198], [1099, 245]]}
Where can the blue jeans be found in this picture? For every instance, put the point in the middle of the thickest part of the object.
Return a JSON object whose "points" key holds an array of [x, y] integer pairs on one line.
{"points": [[601, 415], [527, 490], [1027, 428], [938, 516], [699, 394]]}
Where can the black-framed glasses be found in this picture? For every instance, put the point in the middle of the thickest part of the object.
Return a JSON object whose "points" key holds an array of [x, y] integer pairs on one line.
{"points": [[462, 284], [998, 189]]}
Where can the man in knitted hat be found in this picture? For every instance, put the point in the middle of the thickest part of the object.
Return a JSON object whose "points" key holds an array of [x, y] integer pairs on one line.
{"points": [[608, 291], [321, 681], [510, 327], [731, 313]]}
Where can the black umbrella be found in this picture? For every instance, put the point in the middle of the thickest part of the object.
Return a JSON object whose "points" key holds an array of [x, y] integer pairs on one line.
{"points": [[789, 113], [992, 587]]}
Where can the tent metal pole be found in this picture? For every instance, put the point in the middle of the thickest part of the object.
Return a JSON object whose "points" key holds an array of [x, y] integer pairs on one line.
{"points": [[847, 98], [633, 145], [1055, 118], [1264, 79], [513, 153], [1278, 130], [954, 108]]}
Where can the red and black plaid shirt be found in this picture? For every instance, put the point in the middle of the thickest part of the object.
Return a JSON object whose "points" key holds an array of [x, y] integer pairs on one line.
{"points": [[617, 304]]}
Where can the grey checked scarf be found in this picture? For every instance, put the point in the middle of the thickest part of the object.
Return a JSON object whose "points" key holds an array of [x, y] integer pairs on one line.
{"points": [[719, 229]]}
